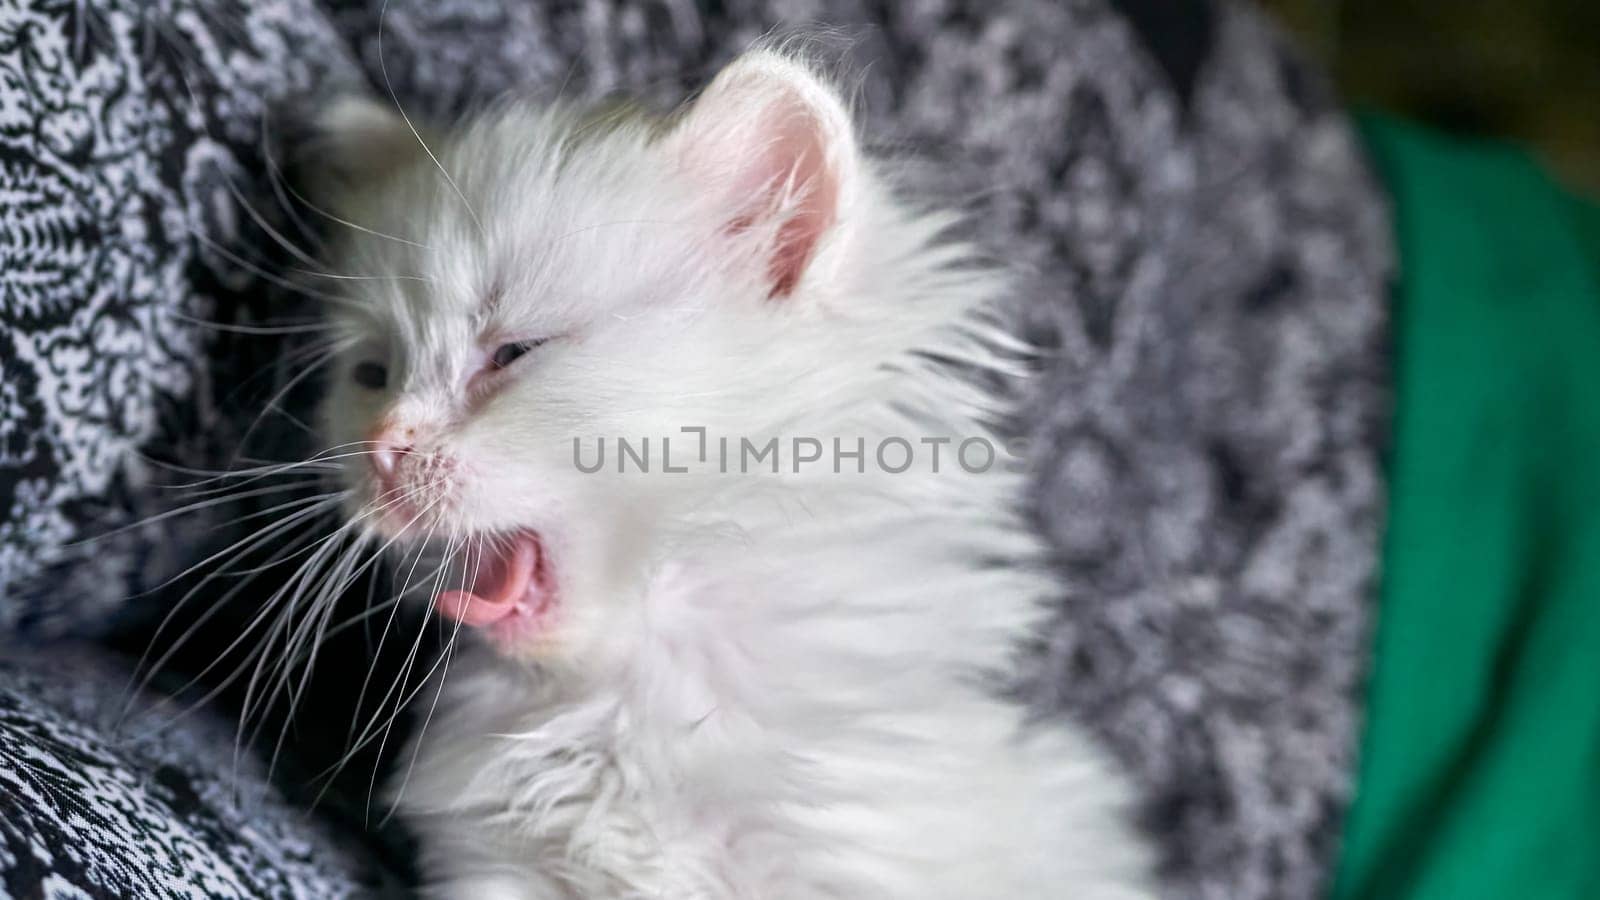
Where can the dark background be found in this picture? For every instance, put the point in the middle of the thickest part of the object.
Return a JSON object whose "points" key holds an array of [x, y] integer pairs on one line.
{"points": [[1528, 70]]}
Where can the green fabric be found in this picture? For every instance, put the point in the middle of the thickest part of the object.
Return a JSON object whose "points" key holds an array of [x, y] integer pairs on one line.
{"points": [[1480, 772]]}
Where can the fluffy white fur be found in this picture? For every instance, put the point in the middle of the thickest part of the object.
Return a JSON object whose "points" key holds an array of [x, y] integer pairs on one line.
{"points": [[755, 686]]}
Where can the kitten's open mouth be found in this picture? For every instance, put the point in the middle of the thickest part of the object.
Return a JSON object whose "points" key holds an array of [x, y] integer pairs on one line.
{"points": [[508, 587]]}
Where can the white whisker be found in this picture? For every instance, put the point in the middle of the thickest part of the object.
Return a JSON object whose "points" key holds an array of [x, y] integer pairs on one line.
{"points": [[383, 68]]}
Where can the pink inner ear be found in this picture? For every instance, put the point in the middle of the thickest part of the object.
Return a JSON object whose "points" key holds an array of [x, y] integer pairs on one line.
{"points": [[771, 143], [797, 161]]}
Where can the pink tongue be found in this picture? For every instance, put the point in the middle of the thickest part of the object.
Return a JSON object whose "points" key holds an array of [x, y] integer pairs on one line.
{"points": [[500, 584]]}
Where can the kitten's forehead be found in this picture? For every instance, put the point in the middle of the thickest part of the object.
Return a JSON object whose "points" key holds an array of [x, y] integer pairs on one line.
{"points": [[546, 221], [512, 228]]}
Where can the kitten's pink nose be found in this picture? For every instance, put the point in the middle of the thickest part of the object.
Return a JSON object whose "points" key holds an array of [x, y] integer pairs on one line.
{"points": [[387, 443]]}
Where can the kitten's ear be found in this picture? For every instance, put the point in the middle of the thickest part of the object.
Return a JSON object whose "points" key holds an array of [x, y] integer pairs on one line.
{"points": [[775, 144], [356, 140]]}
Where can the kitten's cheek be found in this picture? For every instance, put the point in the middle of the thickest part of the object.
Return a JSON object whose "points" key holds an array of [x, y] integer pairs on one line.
{"points": [[506, 486], [491, 499]]}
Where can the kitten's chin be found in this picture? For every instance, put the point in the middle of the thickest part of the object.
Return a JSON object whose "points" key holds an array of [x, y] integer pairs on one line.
{"points": [[508, 593]]}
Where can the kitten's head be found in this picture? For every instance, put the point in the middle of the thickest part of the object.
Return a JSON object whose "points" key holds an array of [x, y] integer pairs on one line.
{"points": [[540, 278]]}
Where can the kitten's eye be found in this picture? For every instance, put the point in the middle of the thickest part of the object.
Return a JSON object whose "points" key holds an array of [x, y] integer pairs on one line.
{"points": [[370, 375], [506, 354]]}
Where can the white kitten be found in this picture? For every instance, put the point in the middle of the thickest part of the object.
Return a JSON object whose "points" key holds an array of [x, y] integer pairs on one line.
{"points": [[691, 682]]}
